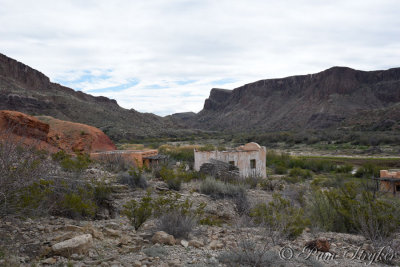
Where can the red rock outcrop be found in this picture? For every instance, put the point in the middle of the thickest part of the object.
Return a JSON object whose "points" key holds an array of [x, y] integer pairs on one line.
{"points": [[51, 134], [71, 136]]}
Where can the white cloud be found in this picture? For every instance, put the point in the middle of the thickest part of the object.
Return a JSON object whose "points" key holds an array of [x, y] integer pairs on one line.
{"points": [[91, 45]]}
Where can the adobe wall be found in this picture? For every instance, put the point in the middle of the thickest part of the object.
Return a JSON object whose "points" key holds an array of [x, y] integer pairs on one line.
{"points": [[386, 185]]}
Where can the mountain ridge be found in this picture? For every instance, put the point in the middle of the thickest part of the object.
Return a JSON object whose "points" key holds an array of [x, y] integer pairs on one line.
{"points": [[27, 90], [312, 101]]}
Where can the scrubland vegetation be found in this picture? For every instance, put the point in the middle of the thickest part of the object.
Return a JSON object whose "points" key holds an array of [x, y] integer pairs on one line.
{"points": [[305, 193]]}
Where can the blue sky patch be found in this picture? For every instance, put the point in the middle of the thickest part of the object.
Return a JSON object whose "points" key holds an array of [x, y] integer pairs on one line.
{"points": [[223, 81]]}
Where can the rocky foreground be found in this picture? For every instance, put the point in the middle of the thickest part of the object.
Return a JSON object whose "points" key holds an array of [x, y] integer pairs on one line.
{"points": [[58, 241]]}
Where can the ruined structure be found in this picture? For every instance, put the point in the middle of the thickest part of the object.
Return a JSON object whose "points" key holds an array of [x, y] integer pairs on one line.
{"points": [[139, 158], [249, 159], [390, 181]]}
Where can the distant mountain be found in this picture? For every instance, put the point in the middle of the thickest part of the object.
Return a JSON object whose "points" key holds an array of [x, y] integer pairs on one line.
{"points": [[336, 97], [29, 91]]}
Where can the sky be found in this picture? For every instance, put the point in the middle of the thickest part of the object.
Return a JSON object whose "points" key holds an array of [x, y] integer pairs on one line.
{"points": [[164, 56]]}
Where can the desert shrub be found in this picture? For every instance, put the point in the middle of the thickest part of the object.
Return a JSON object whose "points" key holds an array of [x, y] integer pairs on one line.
{"points": [[280, 169], [367, 170], [252, 180], [303, 174], [68, 198], [134, 178], [271, 184], [177, 223], [174, 184], [187, 176], [281, 162], [207, 147], [115, 163], [296, 194], [333, 180], [164, 207], [218, 189], [292, 179], [102, 193], [139, 212], [21, 166], [156, 251], [248, 253], [221, 148], [346, 168], [75, 205], [211, 220], [348, 210], [182, 153], [242, 204], [74, 164], [166, 173], [279, 216], [170, 178]]}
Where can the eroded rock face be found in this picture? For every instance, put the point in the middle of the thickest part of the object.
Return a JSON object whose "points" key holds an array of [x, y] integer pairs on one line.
{"points": [[71, 136], [326, 99], [23, 125], [51, 134], [79, 245]]}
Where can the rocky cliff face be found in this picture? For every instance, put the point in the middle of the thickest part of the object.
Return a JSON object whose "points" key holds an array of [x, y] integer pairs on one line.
{"points": [[51, 134], [330, 98], [27, 90]]}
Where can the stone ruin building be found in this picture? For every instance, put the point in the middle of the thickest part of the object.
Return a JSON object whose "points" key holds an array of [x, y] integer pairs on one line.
{"points": [[250, 159]]}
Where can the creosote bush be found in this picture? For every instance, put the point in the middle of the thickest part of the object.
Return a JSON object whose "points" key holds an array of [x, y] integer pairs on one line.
{"points": [[135, 178], [21, 165], [270, 184], [69, 198], [352, 210], [74, 164], [171, 211], [280, 217], [218, 189]]}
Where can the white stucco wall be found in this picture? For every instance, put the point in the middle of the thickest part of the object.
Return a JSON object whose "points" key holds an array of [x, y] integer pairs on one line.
{"points": [[240, 157]]}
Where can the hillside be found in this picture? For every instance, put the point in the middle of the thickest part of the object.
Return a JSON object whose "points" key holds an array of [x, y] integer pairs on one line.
{"points": [[30, 91], [51, 134], [336, 97]]}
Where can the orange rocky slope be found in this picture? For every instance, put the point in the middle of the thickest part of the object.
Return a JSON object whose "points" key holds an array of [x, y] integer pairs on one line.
{"points": [[53, 134]]}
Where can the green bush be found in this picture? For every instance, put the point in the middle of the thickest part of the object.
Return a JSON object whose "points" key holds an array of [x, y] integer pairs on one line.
{"points": [[134, 178], [303, 174], [139, 212], [211, 220], [347, 168], [292, 179], [165, 206], [367, 170], [183, 153], [280, 215], [280, 169], [207, 147], [271, 184], [76, 205], [218, 189], [76, 164], [252, 181], [64, 199], [351, 210], [170, 178]]}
